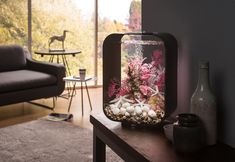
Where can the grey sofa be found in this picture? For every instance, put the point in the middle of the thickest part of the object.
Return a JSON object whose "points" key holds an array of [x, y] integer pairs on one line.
{"points": [[22, 79]]}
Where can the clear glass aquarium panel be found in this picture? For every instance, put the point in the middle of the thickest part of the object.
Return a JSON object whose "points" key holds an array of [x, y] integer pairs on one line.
{"points": [[139, 96]]}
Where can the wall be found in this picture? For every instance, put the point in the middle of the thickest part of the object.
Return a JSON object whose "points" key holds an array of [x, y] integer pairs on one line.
{"points": [[205, 30]]}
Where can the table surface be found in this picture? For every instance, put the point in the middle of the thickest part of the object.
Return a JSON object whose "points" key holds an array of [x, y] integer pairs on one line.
{"points": [[150, 144], [66, 52], [77, 79]]}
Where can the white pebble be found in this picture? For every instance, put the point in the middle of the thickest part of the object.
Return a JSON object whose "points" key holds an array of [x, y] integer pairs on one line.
{"points": [[144, 114], [127, 114], [122, 110], [152, 114], [145, 108], [162, 114], [133, 114], [113, 106], [130, 109], [126, 104], [138, 110], [115, 111]]}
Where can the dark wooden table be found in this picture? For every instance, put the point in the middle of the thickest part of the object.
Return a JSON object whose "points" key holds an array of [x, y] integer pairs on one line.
{"points": [[143, 145]]}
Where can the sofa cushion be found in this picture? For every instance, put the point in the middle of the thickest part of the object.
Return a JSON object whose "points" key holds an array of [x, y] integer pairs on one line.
{"points": [[24, 79], [12, 58]]}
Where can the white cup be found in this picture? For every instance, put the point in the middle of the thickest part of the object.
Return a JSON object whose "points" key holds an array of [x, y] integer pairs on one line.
{"points": [[82, 74]]}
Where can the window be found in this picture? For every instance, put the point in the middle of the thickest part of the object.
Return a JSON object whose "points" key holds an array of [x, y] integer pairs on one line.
{"points": [[13, 22], [116, 16], [89, 22], [52, 17]]}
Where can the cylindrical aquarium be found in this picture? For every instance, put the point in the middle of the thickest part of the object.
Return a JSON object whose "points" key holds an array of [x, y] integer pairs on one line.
{"points": [[139, 77]]}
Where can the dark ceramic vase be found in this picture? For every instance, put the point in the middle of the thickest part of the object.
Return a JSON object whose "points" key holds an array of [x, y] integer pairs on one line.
{"points": [[188, 134], [203, 104]]}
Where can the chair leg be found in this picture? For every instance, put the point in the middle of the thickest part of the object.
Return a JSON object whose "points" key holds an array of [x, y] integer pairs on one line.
{"points": [[45, 106]]}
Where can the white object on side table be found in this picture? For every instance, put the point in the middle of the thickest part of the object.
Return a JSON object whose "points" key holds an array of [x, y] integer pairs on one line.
{"points": [[76, 79]]}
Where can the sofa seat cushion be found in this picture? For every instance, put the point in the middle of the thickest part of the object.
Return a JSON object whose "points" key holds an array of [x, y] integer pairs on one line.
{"points": [[24, 79]]}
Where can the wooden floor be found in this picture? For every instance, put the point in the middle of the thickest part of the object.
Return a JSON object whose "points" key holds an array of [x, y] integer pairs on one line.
{"points": [[23, 112]]}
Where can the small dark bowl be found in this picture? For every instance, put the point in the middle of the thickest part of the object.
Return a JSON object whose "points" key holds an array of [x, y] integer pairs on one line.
{"points": [[187, 119]]}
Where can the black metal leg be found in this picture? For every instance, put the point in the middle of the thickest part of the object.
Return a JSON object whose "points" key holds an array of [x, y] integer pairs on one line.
{"points": [[67, 73], [71, 97], [58, 60], [98, 148], [66, 64], [51, 58], [82, 96], [88, 95], [45, 106]]}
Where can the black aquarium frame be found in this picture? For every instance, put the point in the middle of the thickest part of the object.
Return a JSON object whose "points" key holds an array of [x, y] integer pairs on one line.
{"points": [[112, 66]]}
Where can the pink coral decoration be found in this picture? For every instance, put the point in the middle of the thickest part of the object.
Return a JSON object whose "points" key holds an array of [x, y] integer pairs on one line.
{"points": [[142, 80], [144, 89], [157, 57]]}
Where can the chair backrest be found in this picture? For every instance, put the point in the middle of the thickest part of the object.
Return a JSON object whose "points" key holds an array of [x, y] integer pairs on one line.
{"points": [[12, 57]]}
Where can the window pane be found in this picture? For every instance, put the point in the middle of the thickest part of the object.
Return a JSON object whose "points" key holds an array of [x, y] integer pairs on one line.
{"points": [[116, 16], [13, 22], [52, 17]]}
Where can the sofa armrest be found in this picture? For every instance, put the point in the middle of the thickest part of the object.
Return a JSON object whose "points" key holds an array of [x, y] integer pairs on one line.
{"points": [[57, 70], [50, 68]]}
